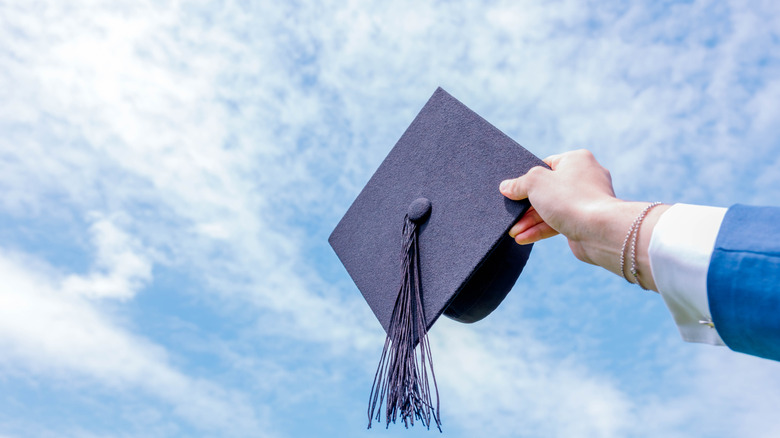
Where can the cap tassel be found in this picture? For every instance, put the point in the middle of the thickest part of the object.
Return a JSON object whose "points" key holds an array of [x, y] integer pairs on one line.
{"points": [[402, 375]]}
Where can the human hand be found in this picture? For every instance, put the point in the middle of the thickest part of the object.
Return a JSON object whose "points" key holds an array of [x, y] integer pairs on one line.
{"points": [[564, 199], [575, 198]]}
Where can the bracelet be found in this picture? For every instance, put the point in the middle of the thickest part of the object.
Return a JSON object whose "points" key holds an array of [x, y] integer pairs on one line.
{"points": [[632, 236]]}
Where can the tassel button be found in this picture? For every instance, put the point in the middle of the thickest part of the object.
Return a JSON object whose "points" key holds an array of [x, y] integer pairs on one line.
{"points": [[419, 210]]}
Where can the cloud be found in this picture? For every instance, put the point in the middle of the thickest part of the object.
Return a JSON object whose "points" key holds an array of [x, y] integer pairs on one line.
{"points": [[501, 379], [105, 123], [192, 163], [509, 384], [220, 143], [120, 270], [48, 331]]}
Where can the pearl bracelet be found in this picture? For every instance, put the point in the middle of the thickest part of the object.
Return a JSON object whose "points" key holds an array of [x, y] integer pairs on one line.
{"points": [[632, 235]]}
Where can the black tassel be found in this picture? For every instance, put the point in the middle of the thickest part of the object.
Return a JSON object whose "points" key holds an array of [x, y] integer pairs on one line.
{"points": [[402, 377]]}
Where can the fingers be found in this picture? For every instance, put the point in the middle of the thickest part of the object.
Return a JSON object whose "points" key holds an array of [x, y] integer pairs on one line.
{"points": [[532, 235], [531, 228], [530, 219], [536, 233], [553, 160], [579, 155]]}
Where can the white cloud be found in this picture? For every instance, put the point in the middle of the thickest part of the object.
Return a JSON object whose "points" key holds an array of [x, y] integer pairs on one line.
{"points": [[505, 384], [500, 379], [46, 331], [120, 270], [143, 101], [230, 137]]}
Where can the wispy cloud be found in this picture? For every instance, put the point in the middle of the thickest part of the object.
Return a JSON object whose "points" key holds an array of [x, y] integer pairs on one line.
{"points": [[47, 330], [157, 155], [120, 271]]}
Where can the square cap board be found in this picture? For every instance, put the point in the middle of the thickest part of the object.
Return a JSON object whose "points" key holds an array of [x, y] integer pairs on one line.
{"points": [[455, 159]]}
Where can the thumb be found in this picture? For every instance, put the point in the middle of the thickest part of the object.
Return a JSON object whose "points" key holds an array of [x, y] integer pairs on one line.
{"points": [[515, 189]]}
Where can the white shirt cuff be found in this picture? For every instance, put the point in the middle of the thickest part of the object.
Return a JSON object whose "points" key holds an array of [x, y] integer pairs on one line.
{"points": [[680, 250]]}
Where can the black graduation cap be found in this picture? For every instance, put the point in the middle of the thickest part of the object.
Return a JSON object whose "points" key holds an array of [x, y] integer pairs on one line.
{"points": [[428, 235]]}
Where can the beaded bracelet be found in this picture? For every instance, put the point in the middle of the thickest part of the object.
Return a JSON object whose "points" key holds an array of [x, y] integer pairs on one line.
{"points": [[632, 236]]}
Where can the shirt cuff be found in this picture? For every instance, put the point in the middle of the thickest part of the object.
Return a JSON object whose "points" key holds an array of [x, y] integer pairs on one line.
{"points": [[680, 250]]}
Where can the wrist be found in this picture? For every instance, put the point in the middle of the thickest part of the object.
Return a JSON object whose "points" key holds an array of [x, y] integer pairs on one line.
{"points": [[603, 232], [596, 237]]}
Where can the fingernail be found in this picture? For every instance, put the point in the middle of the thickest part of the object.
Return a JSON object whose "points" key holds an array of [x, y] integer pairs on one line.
{"points": [[504, 187]]}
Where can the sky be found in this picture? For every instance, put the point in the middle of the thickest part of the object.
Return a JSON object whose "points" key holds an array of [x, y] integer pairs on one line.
{"points": [[170, 172]]}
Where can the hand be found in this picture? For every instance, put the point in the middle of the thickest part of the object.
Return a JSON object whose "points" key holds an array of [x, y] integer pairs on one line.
{"points": [[561, 197], [575, 198]]}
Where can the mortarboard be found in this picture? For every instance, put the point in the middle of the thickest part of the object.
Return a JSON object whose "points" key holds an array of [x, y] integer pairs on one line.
{"points": [[428, 235]]}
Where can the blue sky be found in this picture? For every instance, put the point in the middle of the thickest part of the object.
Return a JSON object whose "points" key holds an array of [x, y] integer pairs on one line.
{"points": [[170, 172]]}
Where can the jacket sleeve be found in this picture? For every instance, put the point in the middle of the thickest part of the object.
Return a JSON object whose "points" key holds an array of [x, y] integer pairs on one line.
{"points": [[743, 281]]}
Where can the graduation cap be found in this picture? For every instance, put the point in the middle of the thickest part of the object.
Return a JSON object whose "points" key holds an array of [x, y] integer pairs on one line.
{"points": [[428, 235]]}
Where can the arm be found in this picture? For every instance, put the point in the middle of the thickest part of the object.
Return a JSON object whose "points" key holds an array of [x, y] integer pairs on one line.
{"points": [[701, 259]]}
